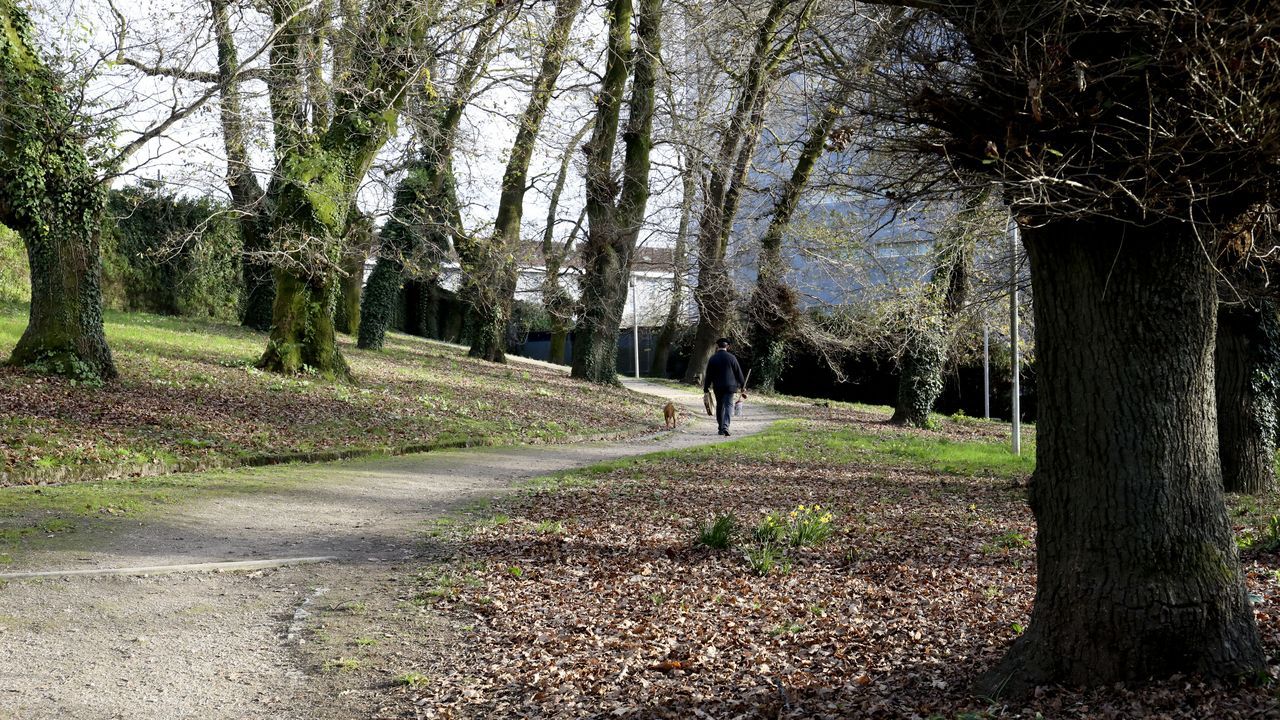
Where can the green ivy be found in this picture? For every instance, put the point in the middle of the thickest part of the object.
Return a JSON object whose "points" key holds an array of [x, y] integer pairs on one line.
{"points": [[170, 255]]}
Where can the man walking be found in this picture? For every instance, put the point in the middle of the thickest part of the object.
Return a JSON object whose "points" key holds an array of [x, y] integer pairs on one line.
{"points": [[725, 375]]}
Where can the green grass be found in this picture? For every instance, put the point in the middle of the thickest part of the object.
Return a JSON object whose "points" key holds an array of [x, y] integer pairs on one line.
{"points": [[802, 440], [190, 398]]}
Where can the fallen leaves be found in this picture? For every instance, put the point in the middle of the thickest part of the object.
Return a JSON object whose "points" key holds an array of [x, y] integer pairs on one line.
{"points": [[925, 581]]}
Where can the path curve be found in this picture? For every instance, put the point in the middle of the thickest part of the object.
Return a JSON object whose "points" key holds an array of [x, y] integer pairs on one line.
{"points": [[104, 644]]}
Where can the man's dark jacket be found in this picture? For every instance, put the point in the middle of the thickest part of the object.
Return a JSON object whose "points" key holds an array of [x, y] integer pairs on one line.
{"points": [[723, 372]]}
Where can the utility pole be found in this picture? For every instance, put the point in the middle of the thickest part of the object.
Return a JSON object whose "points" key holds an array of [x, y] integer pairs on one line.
{"points": [[635, 323], [1016, 393]]}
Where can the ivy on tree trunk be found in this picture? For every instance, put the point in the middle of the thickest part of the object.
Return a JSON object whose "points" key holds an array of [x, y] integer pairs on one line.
{"points": [[356, 247], [51, 197], [490, 263], [424, 212], [932, 326]]}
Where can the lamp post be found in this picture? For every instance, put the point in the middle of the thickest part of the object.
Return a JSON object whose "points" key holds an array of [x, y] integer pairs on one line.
{"points": [[986, 370], [1013, 336], [635, 324]]}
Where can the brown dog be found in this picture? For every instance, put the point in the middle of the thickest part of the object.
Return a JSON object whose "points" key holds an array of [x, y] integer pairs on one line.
{"points": [[669, 414]]}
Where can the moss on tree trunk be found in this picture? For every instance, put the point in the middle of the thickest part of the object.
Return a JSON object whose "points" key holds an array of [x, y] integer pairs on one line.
{"points": [[347, 312], [303, 335], [312, 194], [615, 214]]}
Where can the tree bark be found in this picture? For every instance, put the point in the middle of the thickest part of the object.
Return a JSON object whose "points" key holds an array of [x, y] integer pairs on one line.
{"points": [[614, 225], [354, 254], [554, 297], [246, 191], [303, 335], [1138, 575], [1245, 371], [51, 197]]}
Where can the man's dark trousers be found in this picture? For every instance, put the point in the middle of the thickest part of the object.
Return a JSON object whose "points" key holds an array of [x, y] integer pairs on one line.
{"points": [[724, 407], [725, 375]]}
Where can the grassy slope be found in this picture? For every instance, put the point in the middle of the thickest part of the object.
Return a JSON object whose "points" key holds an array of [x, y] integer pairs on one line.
{"points": [[189, 398], [928, 576]]}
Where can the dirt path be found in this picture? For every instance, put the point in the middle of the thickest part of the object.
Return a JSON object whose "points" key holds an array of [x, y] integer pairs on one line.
{"points": [[211, 645]]}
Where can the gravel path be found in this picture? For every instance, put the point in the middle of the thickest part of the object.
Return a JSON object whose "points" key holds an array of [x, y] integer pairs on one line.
{"points": [[199, 644]]}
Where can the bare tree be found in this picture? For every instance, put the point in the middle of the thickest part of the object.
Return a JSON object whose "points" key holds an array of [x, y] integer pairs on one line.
{"points": [[616, 209], [557, 301], [489, 264], [425, 220], [776, 35]]}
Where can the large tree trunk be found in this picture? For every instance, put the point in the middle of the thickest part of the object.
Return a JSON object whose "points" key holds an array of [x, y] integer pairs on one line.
{"points": [[431, 310], [313, 191], [64, 333], [355, 251], [614, 225], [1137, 569], [557, 345], [1245, 361], [303, 335], [490, 305], [920, 370], [50, 196], [604, 292]]}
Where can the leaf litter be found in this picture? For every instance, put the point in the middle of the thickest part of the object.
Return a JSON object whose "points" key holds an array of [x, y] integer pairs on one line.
{"points": [[593, 600]]}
